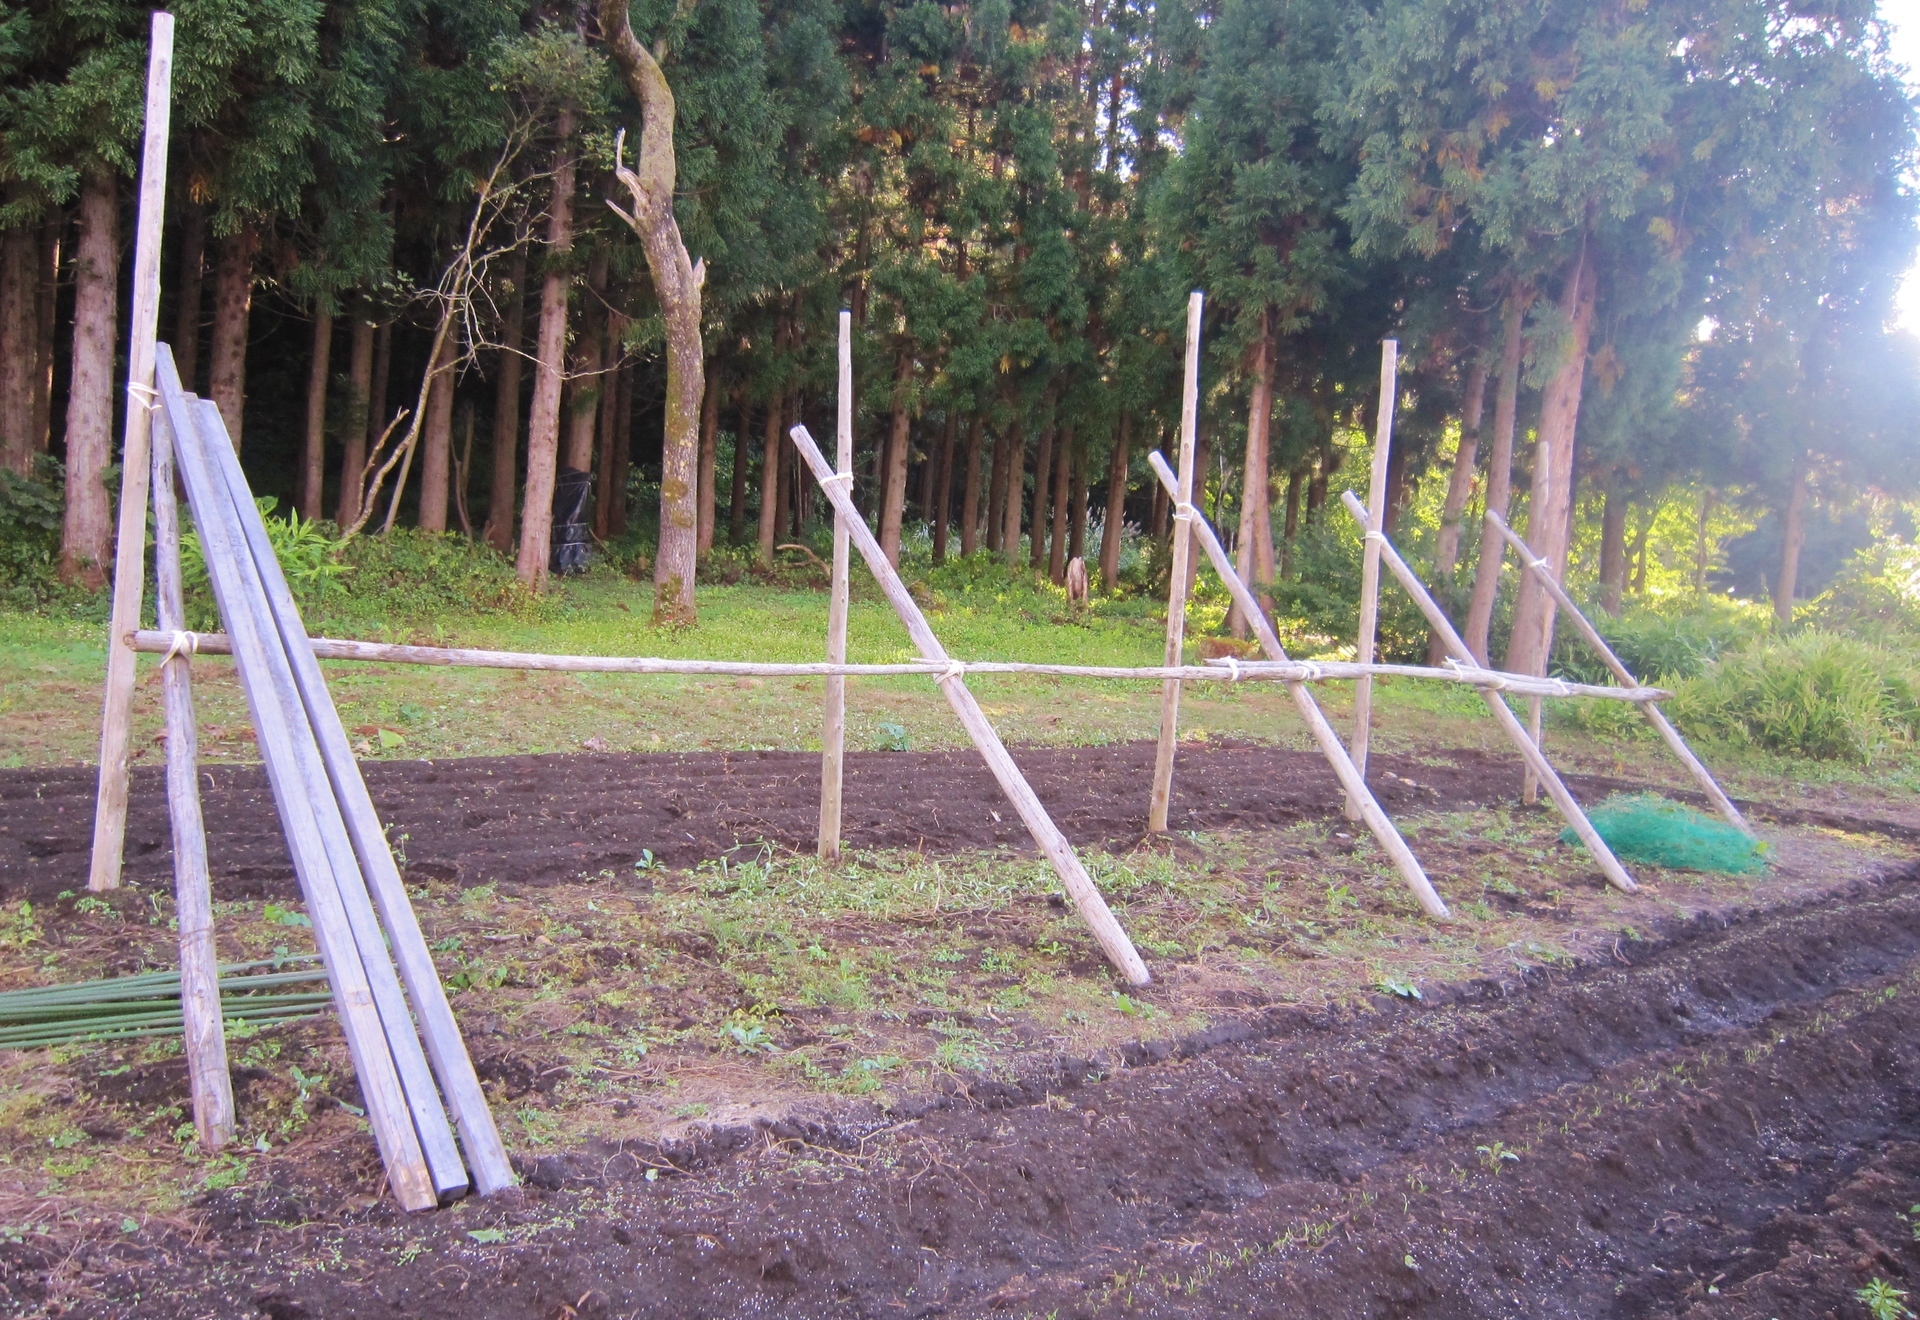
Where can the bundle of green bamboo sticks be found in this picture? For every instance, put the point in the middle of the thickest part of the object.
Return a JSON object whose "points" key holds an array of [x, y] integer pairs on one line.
{"points": [[149, 1004]]}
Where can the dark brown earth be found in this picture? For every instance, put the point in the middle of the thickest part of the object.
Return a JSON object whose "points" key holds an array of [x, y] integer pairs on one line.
{"points": [[1720, 1120], [534, 819], [1723, 1123]]}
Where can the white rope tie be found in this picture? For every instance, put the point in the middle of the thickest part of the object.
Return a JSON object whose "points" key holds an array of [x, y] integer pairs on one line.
{"points": [[147, 395], [955, 669], [182, 644], [1314, 673], [1373, 535], [1233, 668], [838, 476], [1537, 563], [1185, 512], [1490, 680]]}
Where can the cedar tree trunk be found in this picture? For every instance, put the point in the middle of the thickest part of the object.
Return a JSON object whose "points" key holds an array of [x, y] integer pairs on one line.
{"points": [[19, 349], [193, 274], [543, 422], [313, 455], [359, 404], [1114, 523], [498, 532], [1613, 543], [970, 494], [737, 496], [1446, 553], [770, 481], [1506, 402], [86, 531], [1551, 509], [232, 313], [436, 443]]}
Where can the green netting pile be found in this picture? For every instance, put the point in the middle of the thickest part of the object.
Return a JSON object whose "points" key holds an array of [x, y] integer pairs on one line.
{"points": [[1647, 828]]}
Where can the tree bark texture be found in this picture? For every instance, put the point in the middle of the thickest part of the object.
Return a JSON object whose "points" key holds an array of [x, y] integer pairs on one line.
{"points": [[709, 461], [498, 532], [1061, 490], [893, 478], [52, 236], [1506, 403], [192, 295], [1114, 524], [1042, 493], [1077, 515], [970, 495], [543, 419], [1446, 550], [1793, 539], [313, 453], [677, 284], [86, 531], [1004, 440], [737, 497], [1256, 519], [232, 317], [353, 445], [942, 484], [19, 348], [436, 442], [1550, 511], [770, 481], [585, 382]]}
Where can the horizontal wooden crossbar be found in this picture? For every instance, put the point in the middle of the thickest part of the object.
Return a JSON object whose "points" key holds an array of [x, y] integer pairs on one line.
{"points": [[1217, 671]]}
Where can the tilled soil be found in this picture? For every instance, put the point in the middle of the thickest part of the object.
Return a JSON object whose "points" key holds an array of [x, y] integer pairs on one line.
{"points": [[1723, 1123], [536, 819]]}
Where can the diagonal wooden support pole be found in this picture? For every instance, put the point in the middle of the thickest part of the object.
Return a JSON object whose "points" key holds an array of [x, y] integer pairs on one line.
{"points": [[1536, 759], [1355, 784], [1542, 570], [1080, 887]]}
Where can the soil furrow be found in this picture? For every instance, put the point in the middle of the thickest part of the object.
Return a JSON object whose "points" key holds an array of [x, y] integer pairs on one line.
{"points": [[1732, 1110]]}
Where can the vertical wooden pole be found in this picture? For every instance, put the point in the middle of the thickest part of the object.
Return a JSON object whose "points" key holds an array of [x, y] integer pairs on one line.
{"points": [[1177, 582], [130, 557], [205, 1039], [1370, 564], [1079, 885], [833, 738]]}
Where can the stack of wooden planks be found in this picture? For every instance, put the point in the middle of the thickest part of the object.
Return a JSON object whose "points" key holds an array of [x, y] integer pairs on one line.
{"points": [[363, 922]]}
